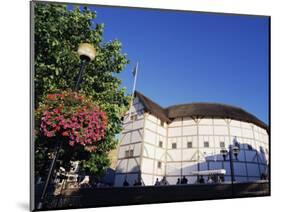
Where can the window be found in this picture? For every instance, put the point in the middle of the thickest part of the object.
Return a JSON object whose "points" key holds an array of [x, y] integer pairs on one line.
{"points": [[174, 145], [222, 144], [160, 144], [133, 117], [206, 144], [162, 123], [250, 147], [129, 153], [189, 144], [159, 164]]}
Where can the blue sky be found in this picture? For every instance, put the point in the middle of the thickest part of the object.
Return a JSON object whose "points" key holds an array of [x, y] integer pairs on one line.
{"points": [[193, 57]]}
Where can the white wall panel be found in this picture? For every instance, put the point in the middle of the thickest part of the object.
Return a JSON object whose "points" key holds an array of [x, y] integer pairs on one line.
{"points": [[121, 166], [189, 154], [133, 165], [189, 130], [188, 121], [248, 133], [127, 127], [207, 121], [160, 153], [147, 179], [150, 137], [151, 126], [136, 136], [175, 155], [235, 123], [219, 122], [125, 138], [246, 125], [172, 180], [235, 131], [148, 151], [220, 130], [175, 131], [173, 169], [205, 130], [162, 131], [138, 124], [152, 118], [189, 167], [147, 165]]}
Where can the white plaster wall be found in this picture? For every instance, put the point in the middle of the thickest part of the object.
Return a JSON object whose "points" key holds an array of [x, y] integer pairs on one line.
{"points": [[121, 166], [173, 169], [182, 160], [189, 130], [133, 165], [130, 139], [216, 131], [175, 131], [147, 165], [148, 151], [148, 179], [220, 130], [150, 137], [206, 129], [136, 148]]}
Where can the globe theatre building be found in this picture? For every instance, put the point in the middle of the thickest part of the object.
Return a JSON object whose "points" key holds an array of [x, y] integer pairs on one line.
{"points": [[189, 140]]}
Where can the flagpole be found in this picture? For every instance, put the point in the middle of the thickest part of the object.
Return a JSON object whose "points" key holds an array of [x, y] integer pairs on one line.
{"points": [[133, 91], [135, 73]]}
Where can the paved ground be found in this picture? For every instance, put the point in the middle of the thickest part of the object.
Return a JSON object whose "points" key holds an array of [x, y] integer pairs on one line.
{"points": [[75, 198]]}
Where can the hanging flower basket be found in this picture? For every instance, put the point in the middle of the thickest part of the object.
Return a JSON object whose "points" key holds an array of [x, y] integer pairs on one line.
{"points": [[73, 118]]}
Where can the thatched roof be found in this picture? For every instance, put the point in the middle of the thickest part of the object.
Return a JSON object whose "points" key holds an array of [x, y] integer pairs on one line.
{"points": [[198, 109]]}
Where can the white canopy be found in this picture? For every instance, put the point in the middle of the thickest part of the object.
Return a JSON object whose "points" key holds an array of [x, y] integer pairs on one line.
{"points": [[209, 172]]}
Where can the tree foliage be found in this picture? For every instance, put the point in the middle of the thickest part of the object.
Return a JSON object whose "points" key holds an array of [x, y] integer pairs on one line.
{"points": [[58, 33]]}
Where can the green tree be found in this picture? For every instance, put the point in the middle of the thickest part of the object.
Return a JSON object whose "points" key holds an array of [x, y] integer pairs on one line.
{"points": [[58, 33]]}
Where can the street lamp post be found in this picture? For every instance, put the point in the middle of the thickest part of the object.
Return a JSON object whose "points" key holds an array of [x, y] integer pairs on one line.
{"points": [[233, 150], [87, 53]]}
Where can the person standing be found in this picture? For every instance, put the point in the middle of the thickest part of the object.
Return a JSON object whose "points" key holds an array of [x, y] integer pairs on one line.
{"points": [[164, 181], [157, 183], [184, 180], [125, 183]]}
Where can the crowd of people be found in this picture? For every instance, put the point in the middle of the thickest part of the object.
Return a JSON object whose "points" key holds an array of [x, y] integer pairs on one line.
{"points": [[180, 181]]}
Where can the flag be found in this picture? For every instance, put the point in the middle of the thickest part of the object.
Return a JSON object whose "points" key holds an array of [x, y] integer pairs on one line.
{"points": [[134, 72]]}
